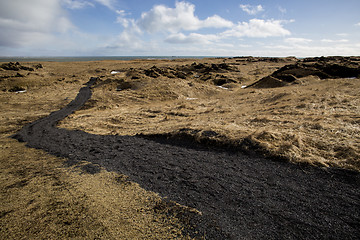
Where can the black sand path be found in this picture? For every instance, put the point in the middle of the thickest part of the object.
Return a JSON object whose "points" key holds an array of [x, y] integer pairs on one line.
{"points": [[241, 197]]}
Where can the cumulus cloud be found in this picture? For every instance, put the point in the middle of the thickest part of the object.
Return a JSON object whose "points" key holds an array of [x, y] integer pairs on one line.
{"points": [[182, 18], [252, 10], [253, 28], [215, 22], [258, 28], [180, 38], [24, 22], [164, 19]]}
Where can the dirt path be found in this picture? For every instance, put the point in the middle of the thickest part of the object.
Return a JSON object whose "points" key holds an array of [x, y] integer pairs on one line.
{"points": [[241, 197]]}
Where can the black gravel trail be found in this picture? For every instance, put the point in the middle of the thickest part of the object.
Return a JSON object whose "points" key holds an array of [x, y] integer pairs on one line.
{"points": [[240, 196]]}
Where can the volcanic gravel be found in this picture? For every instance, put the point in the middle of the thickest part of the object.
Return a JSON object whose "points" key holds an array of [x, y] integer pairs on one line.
{"points": [[240, 196]]}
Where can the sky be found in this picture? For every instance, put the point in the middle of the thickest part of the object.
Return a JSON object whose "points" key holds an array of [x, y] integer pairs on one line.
{"points": [[278, 28]]}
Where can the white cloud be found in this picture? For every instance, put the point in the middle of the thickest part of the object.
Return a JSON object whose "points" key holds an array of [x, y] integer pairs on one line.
{"points": [[164, 19], [43, 27], [107, 3], [342, 34], [75, 4], [258, 28], [358, 24], [252, 10], [312, 50], [129, 40], [334, 41], [179, 38], [296, 41], [282, 10], [122, 18], [79, 4], [253, 28], [215, 22], [24, 22], [121, 12]]}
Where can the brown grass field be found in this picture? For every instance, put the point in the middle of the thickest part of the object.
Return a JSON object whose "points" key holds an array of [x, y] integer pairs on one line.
{"points": [[308, 119]]}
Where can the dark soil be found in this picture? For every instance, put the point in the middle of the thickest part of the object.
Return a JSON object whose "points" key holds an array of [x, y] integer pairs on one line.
{"points": [[240, 196], [322, 69]]}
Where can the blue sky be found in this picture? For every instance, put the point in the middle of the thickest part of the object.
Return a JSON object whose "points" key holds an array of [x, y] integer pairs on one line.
{"points": [[179, 28]]}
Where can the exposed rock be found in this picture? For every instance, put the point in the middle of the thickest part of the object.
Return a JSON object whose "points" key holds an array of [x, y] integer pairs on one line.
{"points": [[300, 71], [207, 68], [169, 75], [180, 75], [265, 59], [330, 67], [37, 66], [10, 66], [341, 71], [224, 66], [15, 67], [221, 80], [123, 86], [214, 67], [198, 66], [206, 77], [155, 72], [151, 73], [133, 74]]}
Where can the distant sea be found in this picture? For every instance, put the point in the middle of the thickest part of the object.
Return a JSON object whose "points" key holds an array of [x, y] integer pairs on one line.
{"points": [[96, 58]]}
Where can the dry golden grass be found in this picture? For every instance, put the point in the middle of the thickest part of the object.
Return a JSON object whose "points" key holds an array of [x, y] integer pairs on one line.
{"points": [[315, 121], [41, 198]]}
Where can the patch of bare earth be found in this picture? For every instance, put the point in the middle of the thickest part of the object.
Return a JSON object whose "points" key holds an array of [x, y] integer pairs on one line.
{"points": [[40, 197]]}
